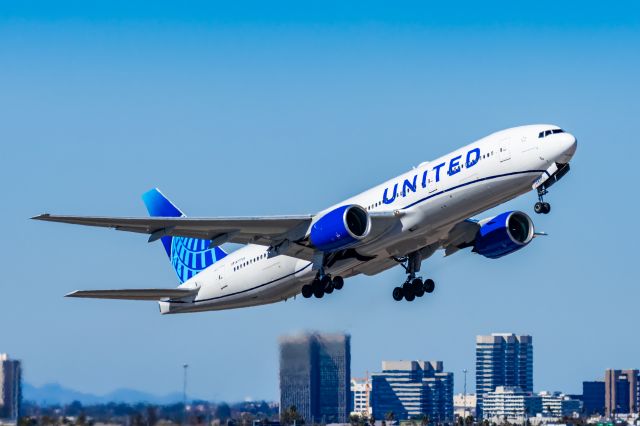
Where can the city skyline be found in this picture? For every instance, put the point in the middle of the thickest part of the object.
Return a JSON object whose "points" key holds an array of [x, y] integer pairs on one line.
{"points": [[216, 104]]}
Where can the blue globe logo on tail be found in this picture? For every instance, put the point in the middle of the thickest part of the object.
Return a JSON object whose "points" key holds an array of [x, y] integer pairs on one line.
{"points": [[188, 256], [191, 255]]}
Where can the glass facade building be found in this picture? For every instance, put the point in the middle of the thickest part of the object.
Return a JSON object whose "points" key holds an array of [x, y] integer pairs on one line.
{"points": [[411, 389], [593, 398], [503, 359], [315, 375], [621, 391], [10, 388]]}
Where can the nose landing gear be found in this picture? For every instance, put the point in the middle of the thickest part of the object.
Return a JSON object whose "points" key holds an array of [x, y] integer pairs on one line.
{"points": [[414, 286], [541, 207]]}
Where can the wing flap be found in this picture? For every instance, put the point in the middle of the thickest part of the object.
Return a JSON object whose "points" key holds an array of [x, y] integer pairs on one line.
{"points": [[135, 294]]}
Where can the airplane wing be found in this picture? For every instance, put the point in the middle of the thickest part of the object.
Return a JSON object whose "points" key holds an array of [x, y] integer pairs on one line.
{"points": [[137, 294], [242, 230], [287, 233]]}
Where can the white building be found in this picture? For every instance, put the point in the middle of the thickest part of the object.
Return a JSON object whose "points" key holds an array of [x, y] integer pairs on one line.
{"points": [[559, 405], [9, 388], [361, 391], [464, 405], [510, 403]]}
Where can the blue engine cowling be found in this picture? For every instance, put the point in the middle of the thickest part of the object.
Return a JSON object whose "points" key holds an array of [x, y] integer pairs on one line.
{"points": [[340, 228], [504, 234]]}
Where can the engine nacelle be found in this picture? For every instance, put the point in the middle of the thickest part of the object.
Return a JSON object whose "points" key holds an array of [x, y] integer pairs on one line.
{"points": [[504, 234], [340, 228]]}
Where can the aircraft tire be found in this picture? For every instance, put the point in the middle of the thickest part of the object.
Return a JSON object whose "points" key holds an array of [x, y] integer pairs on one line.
{"points": [[546, 208], [307, 291], [338, 282], [407, 290], [397, 294], [538, 208], [318, 293], [429, 285], [328, 288], [418, 287]]}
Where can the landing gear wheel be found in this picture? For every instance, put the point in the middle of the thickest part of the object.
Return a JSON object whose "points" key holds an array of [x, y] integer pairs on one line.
{"points": [[407, 289], [429, 285], [318, 289], [307, 291], [539, 207], [318, 292], [397, 294], [328, 288], [418, 287], [546, 208], [338, 282]]}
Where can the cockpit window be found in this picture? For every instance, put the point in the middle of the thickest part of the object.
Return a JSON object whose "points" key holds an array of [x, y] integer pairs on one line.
{"points": [[549, 132]]}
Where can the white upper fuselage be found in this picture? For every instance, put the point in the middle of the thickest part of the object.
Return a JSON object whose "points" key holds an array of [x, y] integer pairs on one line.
{"points": [[433, 197]]}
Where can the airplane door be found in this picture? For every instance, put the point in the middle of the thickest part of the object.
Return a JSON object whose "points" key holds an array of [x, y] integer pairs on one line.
{"points": [[503, 152], [432, 185]]}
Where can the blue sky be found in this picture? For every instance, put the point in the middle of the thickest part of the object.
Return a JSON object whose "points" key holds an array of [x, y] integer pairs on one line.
{"points": [[245, 108]]}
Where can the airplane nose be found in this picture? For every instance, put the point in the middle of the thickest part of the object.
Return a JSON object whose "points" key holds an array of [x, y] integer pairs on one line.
{"points": [[569, 146]]}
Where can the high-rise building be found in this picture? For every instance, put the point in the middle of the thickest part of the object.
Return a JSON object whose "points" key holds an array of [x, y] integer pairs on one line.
{"points": [[503, 359], [510, 403], [361, 393], [315, 375], [621, 393], [412, 388], [10, 388], [593, 398]]}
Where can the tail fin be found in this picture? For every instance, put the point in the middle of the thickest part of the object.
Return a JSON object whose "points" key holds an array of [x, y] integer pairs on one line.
{"points": [[187, 255]]}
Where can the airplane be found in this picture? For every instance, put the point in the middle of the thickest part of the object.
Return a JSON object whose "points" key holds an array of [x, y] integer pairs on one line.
{"points": [[402, 221]]}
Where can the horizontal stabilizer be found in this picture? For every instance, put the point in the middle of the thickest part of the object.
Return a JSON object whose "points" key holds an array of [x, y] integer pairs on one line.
{"points": [[135, 294]]}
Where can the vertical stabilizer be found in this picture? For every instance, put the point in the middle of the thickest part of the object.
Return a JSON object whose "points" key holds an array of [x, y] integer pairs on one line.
{"points": [[188, 256]]}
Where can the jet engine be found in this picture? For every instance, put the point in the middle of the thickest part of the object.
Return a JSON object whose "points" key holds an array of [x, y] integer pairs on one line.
{"points": [[340, 228], [504, 234]]}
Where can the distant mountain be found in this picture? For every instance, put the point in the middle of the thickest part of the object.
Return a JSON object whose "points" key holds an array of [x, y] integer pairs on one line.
{"points": [[54, 393]]}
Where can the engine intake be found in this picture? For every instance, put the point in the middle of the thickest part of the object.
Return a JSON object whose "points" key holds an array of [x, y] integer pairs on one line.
{"points": [[504, 234], [340, 228]]}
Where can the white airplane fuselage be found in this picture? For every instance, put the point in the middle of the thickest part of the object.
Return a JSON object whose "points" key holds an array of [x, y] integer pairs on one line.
{"points": [[432, 197]]}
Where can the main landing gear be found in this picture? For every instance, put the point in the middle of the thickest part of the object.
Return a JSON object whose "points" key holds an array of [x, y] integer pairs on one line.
{"points": [[414, 286], [541, 207], [322, 285]]}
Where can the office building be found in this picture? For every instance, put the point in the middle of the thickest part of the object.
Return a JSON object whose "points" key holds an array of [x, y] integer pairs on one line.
{"points": [[412, 389], [361, 393], [593, 398], [559, 405], [464, 405], [510, 403], [315, 376], [621, 391], [10, 388], [503, 359]]}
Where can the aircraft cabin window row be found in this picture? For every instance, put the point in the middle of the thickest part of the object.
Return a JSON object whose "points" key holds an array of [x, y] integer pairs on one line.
{"points": [[248, 262], [549, 132]]}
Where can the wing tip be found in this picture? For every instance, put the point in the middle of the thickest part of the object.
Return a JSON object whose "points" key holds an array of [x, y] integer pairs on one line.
{"points": [[42, 216]]}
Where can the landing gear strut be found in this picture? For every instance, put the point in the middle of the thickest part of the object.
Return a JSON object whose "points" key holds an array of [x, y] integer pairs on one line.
{"points": [[541, 207], [413, 286]]}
